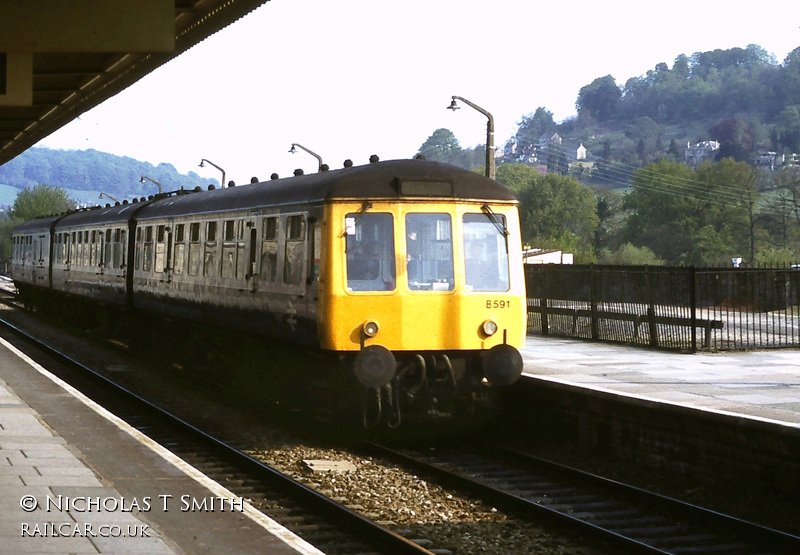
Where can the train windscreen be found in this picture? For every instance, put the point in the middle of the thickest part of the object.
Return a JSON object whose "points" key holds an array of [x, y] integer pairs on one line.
{"points": [[370, 251], [429, 252], [486, 252]]}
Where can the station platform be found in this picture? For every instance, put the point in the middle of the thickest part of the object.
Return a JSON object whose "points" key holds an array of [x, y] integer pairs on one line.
{"points": [[760, 385], [76, 479]]}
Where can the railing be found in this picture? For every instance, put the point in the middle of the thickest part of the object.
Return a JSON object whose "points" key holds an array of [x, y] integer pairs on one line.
{"points": [[680, 308]]}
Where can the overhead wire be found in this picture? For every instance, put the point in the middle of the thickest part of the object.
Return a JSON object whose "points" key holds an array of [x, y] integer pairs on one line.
{"points": [[619, 173]]}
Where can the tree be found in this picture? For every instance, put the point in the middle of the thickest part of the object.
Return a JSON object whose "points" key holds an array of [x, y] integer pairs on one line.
{"points": [[695, 217], [789, 81], [641, 151], [557, 162], [631, 255], [673, 153], [736, 138], [662, 210], [6, 225], [532, 127], [555, 211], [600, 99], [441, 144], [610, 216], [41, 200], [734, 214], [680, 67], [788, 128]]}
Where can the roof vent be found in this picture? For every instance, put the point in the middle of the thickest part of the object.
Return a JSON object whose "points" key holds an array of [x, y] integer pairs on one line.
{"points": [[373, 159]]}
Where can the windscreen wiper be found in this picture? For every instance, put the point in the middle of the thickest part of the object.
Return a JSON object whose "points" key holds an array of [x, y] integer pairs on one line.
{"points": [[498, 222]]}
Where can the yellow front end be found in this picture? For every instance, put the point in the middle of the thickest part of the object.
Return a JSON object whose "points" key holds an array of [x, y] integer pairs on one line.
{"points": [[420, 291]]}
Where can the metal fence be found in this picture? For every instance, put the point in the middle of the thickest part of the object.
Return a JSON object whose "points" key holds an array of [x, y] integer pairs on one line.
{"points": [[679, 308]]}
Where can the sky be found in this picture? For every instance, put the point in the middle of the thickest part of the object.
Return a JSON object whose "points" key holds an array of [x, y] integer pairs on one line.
{"points": [[351, 78]]}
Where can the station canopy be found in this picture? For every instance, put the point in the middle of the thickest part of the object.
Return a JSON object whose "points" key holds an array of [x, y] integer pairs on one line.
{"points": [[60, 58]]}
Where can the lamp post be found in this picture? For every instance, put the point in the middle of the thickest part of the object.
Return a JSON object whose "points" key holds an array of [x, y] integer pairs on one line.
{"points": [[222, 183], [490, 171], [101, 196], [311, 152], [160, 188]]}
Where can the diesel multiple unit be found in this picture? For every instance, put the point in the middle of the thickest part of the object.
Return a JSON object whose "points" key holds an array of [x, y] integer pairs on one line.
{"points": [[408, 271]]}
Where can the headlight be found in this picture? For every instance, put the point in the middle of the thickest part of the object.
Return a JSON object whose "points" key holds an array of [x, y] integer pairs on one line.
{"points": [[371, 328], [489, 328]]}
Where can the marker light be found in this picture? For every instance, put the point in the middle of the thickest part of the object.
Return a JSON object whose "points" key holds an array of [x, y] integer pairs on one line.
{"points": [[371, 328], [489, 328]]}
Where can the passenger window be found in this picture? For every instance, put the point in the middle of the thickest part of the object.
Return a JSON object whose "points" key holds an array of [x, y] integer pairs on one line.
{"points": [[195, 249], [79, 250], [429, 252], [234, 263], [119, 248], [370, 251], [147, 257], [161, 248], [229, 230], [86, 246], [295, 250], [57, 246], [92, 247], [210, 256], [108, 250], [138, 261], [180, 249], [269, 249]]}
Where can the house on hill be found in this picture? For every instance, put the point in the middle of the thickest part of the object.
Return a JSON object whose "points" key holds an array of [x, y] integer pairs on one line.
{"points": [[769, 160], [696, 154]]}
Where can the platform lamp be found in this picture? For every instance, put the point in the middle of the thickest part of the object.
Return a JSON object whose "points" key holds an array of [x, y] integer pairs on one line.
{"points": [[490, 171], [160, 188], [202, 165], [311, 152], [107, 196]]}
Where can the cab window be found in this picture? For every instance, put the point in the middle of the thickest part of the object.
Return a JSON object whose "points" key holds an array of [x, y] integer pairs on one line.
{"points": [[370, 252], [485, 253], [429, 252]]}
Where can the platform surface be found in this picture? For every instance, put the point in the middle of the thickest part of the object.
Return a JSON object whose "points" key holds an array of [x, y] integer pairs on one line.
{"points": [[763, 385], [75, 479]]}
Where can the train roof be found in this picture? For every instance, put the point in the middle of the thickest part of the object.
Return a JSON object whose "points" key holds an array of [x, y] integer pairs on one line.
{"points": [[380, 180], [98, 215], [39, 224], [392, 179]]}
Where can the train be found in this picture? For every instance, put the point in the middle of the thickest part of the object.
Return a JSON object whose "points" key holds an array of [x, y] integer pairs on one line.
{"points": [[407, 273]]}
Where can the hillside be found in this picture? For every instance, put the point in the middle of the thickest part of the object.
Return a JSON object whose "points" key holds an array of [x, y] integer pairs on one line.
{"points": [[84, 174], [741, 97]]}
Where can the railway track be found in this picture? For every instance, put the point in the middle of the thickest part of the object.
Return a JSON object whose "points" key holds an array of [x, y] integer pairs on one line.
{"points": [[529, 488], [626, 517], [330, 526]]}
